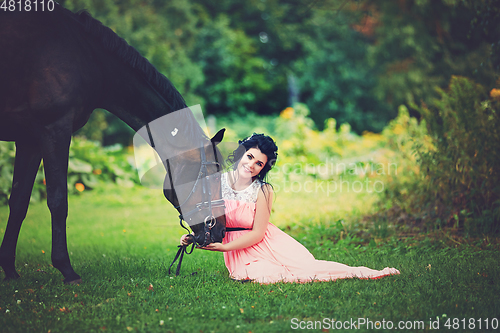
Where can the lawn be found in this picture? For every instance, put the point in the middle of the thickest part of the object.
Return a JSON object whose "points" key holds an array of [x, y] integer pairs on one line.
{"points": [[122, 240]]}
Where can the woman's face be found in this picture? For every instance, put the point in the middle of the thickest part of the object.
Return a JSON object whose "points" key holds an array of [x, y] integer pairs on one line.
{"points": [[252, 162]]}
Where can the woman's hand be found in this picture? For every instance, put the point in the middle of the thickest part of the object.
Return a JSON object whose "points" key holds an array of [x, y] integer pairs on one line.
{"points": [[186, 239], [215, 247]]}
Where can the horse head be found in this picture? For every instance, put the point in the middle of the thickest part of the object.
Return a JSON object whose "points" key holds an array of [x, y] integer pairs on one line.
{"points": [[189, 165], [193, 185]]}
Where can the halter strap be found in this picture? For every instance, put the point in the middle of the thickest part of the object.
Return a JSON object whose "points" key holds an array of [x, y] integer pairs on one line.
{"points": [[202, 205]]}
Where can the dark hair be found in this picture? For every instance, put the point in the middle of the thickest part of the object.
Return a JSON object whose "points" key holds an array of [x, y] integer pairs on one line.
{"points": [[265, 144]]}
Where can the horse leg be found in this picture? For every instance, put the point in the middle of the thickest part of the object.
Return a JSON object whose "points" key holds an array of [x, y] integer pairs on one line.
{"points": [[26, 165], [55, 151]]}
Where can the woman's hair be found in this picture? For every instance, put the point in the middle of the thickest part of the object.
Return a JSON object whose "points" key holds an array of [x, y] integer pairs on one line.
{"points": [[265, 144]]}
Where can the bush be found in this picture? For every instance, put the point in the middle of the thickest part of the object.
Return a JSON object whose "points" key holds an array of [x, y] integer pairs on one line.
{"points": [[448, 163], [89, 165], [462, 168], [6, 169], [405, 137], [301, 142], [7, 157]]}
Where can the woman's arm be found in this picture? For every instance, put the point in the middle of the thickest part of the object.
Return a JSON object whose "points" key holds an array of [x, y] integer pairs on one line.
{"points": [[261, 220]]}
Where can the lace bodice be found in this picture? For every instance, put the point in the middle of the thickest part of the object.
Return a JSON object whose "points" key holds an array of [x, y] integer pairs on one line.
{"points": [[247, 195]]}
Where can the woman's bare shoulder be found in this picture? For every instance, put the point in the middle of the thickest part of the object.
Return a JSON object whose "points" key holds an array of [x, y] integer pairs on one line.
{"points": [[265, 192]]}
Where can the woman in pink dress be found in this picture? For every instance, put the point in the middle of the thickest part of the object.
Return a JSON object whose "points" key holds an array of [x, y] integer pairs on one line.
{"points": [[255, 249]]}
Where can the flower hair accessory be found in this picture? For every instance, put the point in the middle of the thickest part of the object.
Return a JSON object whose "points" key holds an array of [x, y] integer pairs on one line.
{"points": [[254, 135], [241, 141]]}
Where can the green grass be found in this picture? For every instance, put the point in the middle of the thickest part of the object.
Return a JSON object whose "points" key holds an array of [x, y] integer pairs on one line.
{"points": [[121, 241]]}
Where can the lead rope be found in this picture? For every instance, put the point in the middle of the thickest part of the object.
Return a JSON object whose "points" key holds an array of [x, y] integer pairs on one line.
{"points": [[182, 249]]}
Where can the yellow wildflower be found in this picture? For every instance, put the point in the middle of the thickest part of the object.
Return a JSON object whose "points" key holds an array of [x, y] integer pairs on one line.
{"points": [[398, 129], [495, 93], [287, 113]]}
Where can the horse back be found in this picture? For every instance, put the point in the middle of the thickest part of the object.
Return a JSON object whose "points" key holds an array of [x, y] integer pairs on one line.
{"points": [[46, 70]]}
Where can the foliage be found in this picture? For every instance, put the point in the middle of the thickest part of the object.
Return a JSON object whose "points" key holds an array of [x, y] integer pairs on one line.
{"points": [[405, 138], [95, 127], [447, 171], [299, 140], [274, 26], [463, 168], [310, 53], [419, 45], [238, 127], [7, 157], [334, 79], [485, 23], [89, 166], [355, 61], [235, 78], [302, 142]]}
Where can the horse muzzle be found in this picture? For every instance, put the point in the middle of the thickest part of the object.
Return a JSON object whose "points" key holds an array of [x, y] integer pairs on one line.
{"points": [[209, 232]]}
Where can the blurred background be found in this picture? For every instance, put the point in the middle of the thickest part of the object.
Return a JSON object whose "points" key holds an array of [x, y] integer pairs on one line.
{"points": [[354, 61]]}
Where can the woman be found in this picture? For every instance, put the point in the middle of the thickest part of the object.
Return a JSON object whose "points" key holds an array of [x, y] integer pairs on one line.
{"points": [[254, 249]]}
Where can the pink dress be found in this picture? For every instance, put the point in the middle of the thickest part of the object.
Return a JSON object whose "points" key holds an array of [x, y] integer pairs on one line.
{"points": [[277, 257]]}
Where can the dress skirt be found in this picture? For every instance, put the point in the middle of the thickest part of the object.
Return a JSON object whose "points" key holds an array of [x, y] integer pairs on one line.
{"points": [[280, 258]]}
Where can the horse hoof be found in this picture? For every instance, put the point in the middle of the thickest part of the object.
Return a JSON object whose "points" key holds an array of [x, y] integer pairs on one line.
{"points": [[77, 281]]}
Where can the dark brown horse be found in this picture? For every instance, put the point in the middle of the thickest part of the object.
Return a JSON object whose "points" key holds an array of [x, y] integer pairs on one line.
{"points": [[56, 67]]}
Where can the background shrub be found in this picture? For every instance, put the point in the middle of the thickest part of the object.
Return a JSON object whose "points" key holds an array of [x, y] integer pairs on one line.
{"points": [[404, 137], [462, 168], [89, 165], [6, 169]]}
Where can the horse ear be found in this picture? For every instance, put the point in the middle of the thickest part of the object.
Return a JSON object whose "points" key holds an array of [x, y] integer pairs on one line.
{"points": [[218, 137]]}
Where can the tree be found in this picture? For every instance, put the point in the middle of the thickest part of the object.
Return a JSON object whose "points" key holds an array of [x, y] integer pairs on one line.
{"points": [[335, 78], [234, 74], [420, 44]]}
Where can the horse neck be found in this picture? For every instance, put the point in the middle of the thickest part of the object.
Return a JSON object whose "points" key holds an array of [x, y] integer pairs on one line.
{"points": [[132, 89], [130, 97]]}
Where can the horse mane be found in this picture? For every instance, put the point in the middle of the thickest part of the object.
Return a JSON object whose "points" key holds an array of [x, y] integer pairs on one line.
{"points": [[130, 56]]}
